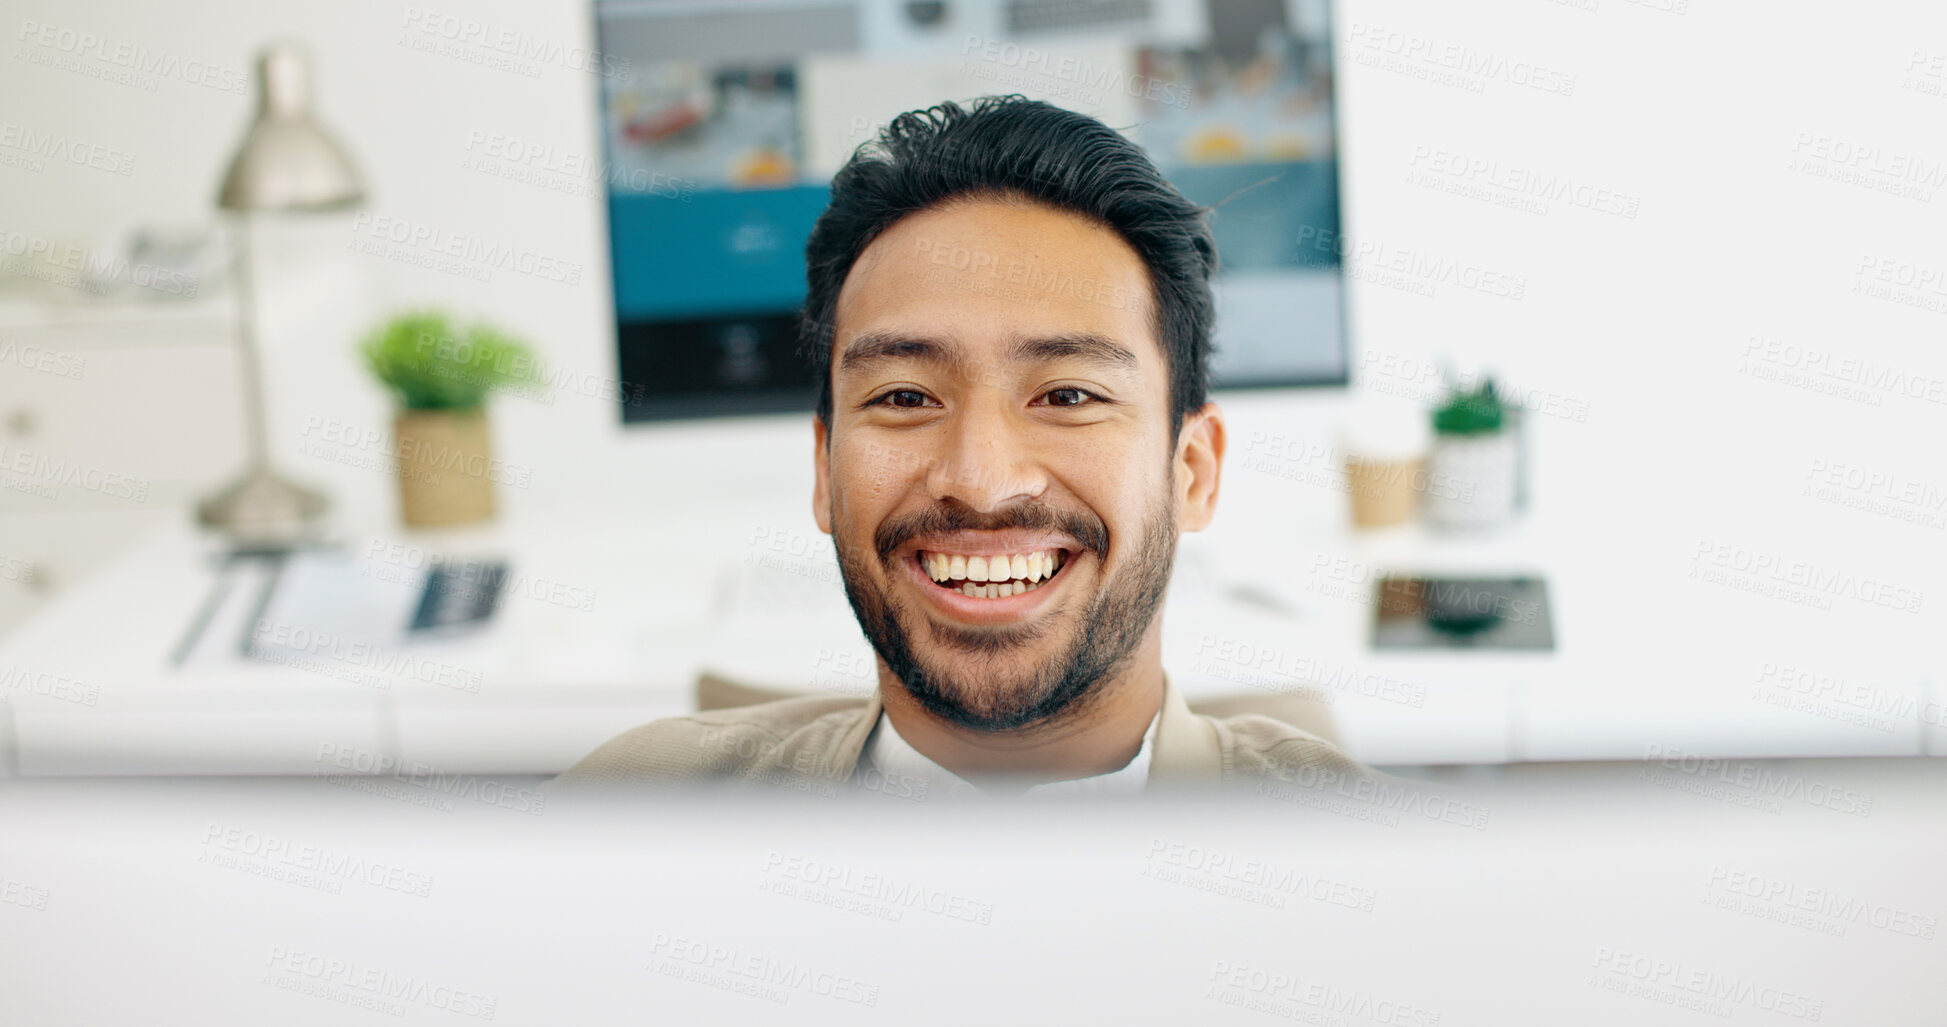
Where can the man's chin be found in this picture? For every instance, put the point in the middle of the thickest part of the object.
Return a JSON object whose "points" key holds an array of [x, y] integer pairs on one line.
{"points": [[985, 692]]}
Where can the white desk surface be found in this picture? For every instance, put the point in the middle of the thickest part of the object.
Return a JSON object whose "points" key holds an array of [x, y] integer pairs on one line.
{"points": [[697, 544]]}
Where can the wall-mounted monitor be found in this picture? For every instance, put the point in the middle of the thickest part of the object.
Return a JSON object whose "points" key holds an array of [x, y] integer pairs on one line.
{"points": [[723, 123]]}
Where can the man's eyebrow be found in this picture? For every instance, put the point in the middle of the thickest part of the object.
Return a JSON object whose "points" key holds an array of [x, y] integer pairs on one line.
{"points": [[1087, 346], [874, 347]]}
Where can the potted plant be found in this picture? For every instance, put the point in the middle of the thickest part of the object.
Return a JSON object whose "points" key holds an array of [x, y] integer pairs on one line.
{"points": [[1474, 468], [441, 376]]}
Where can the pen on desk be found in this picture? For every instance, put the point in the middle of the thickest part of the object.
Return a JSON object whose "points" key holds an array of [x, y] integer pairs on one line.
{"points": [[219, 591], [247, 646]]}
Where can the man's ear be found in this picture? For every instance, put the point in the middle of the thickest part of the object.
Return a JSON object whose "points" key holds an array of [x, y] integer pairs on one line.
{"points": [[1199, 465], [821, 474]]}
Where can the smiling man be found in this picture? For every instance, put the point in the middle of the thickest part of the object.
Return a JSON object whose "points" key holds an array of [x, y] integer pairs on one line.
{"points": [[1012, 311]]}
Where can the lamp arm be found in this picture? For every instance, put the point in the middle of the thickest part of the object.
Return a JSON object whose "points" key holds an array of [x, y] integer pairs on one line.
{"points": [[256, 427]]}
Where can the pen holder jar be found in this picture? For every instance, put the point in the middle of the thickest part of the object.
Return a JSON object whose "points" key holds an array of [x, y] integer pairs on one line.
{"points": [[1474, 469], [1471, 480]]}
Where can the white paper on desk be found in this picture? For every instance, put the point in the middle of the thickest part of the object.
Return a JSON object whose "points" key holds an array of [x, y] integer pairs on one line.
{"points": [[325, 601]]}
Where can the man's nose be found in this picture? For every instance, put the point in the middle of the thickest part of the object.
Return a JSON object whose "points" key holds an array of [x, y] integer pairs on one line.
{"points": [[987, 460]]}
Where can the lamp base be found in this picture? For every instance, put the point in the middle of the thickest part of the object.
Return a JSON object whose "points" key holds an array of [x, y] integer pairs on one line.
{"points": [[261, 508]]}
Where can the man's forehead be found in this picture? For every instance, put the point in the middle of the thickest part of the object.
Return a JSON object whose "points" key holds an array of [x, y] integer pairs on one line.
{"points": [[993, 281]]}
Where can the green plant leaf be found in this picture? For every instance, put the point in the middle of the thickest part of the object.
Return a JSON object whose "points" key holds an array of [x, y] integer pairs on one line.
{"points": [[1476, 412], [430, 364]]}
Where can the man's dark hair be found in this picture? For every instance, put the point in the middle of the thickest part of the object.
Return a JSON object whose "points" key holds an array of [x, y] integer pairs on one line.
{"points": [[1010, 145]]}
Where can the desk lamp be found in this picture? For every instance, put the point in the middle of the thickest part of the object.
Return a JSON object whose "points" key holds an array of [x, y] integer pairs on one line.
{"points": [[287, 164]]}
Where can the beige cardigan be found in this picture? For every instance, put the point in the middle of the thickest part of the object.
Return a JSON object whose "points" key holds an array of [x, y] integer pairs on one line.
{"points": [[811, 740]]}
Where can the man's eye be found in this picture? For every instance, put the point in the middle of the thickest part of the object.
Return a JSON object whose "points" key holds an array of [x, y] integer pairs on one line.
{"points": [[908, 398], [1068, 397]]}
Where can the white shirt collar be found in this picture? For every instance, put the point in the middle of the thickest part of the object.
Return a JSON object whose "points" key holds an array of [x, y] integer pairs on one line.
{"points": [[891, 755]]}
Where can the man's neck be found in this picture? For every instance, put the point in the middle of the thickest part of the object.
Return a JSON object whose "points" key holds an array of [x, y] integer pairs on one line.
{"points": [[1100, 739]]}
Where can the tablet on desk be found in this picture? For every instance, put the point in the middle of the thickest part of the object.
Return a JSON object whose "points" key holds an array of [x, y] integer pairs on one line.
{"points": [[1462, 613]]}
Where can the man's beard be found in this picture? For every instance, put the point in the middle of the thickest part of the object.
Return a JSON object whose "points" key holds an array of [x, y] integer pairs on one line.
{"points": [[1112, 624]]}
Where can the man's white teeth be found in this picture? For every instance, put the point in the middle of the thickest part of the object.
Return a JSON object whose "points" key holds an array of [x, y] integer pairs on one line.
{"points": [[999, 591], [994, 577]]}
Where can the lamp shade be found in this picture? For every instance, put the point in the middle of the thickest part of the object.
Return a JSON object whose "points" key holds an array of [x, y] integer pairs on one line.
{"points": [[288, 162]]}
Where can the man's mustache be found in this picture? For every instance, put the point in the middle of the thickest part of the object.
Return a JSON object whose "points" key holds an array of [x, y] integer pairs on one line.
{"points": [[1087, 530]]}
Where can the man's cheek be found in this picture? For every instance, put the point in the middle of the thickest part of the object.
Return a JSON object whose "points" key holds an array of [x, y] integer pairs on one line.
{"points": [[877, 472], [866, 487]]}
